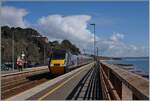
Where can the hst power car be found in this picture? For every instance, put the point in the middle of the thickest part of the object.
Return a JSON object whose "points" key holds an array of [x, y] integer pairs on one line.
{"points": [[62, 61]]}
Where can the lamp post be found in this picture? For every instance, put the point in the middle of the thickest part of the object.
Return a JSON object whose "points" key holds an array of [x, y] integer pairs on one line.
{"points": [[97, 53], [44, 54], [13, 56], [84, 51], [94, 38]]}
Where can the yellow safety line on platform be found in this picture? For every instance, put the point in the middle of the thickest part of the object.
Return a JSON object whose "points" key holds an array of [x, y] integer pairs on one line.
{"points": [[42, 97]]}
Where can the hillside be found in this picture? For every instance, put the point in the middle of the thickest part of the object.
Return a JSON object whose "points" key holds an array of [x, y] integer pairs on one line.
{"points": [[32, 43]]}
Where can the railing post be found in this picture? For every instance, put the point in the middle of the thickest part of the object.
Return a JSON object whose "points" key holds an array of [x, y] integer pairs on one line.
{"points": [[126, 93], [116, 83], [109, 91]]}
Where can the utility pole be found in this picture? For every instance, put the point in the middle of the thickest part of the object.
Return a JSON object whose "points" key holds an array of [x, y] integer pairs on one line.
{"points": [[84, 51], [94, 38], [97, 53], [44, 54], [13, 56]]}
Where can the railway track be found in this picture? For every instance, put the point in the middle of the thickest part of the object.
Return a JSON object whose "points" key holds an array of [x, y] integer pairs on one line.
{"points": [[88, 88], [13, 87]]}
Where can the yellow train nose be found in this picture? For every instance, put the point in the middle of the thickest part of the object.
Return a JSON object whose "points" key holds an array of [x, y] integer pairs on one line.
{"points": [[57, 62], [57, 70], [57, 67]]}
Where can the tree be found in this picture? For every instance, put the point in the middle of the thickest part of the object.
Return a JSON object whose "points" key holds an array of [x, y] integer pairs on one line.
{"points": [[66, 44], [32, 43], [32, 53]]}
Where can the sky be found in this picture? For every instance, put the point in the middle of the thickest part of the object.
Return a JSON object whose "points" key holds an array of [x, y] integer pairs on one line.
{"points": [[122, 28]]}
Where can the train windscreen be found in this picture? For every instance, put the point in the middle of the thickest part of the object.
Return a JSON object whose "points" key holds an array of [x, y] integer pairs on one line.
{"points": [[58, 55]]}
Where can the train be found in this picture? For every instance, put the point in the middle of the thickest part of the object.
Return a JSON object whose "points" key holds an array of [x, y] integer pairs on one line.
{"points": [[62, 61]]}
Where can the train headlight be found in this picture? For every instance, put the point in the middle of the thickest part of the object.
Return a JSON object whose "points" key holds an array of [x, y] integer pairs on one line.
{"points": [[61, 64], [52, 64]]}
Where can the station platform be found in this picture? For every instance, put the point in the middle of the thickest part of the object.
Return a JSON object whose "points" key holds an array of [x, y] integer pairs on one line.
{"points": [[93, 81], [14, 72], [56, 89]]}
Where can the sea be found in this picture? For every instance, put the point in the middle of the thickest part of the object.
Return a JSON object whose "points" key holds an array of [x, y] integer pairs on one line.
{"points": [[139, 63]]}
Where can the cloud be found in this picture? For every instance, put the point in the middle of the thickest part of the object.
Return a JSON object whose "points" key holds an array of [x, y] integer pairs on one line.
{"points": [[114, 46], [73, 28], [116, 37], [13, 17]]}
